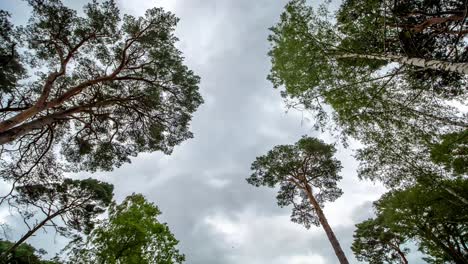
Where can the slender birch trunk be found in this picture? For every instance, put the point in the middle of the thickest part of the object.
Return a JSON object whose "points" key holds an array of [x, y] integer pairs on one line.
{"points": [[454, 193], [418, 62], [324, 222]]}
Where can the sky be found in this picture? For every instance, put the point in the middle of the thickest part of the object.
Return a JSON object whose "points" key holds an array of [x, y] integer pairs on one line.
{"points": [[201, 188]]}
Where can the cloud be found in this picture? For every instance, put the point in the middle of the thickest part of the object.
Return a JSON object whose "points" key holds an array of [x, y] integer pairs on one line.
{"points": [[201, 187]]}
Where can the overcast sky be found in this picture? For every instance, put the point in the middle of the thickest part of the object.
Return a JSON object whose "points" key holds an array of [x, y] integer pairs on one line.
{"points": [[201, 187]]}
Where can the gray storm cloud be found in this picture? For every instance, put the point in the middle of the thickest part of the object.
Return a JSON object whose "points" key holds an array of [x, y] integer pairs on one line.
{"points": [[201, 187]]}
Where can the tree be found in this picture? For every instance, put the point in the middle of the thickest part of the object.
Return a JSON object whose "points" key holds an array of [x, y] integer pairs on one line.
{"points": [[307, 175], [413, 28], [376, 243], [102, 89], [425, 214], [24, 254], [432, 216], [10, 67], [70, 205], [132, 234], [398, 118], [452, 152]]}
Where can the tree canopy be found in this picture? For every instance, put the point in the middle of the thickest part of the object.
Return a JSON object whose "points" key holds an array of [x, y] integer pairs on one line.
{"points": [[376, 243], [132, 234], [309, 161], [10, 67], [425, 214], [71, 207], [87, 92], [384, 102], [383, 72], [307, 176], [100, 88], [24, 254]]}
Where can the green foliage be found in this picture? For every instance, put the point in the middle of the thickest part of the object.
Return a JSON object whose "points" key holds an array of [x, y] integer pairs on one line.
{"points": [[361, 21], [376, 243], [24, 254], [452, 152], [69, 206], [413, 136], [426, 214], [76, 202], [103, 88], [308, 162], [405, 28], [299, 61], [99, 88], [10, 66], [132, 234], [397, 112]]}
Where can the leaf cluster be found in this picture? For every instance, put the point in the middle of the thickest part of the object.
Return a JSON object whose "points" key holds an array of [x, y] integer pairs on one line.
{"points": [[309, 163], [427, 215], [131, 234]]}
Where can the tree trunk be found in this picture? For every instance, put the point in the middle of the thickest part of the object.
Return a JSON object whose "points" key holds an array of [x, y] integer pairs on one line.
{"points": [[12, 134], [41, 105], [27, 235], [452, 192], [456, 257], [402, 255], [418, 62], [323, 221]]}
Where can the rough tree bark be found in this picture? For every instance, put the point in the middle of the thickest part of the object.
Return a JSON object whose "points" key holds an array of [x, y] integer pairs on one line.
{"points": [[324, 222]]}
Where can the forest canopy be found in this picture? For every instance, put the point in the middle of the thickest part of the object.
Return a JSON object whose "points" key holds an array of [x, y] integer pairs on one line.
{"points": [[381, 170]]}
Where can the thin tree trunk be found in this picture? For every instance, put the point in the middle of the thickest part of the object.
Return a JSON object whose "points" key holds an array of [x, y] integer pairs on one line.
{"points": [[452, 192], [418, 62], [28, 235], [402, 255], [323, 221]]}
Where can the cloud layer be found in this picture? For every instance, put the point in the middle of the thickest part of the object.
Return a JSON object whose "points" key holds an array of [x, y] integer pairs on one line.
{"points": [[201, 187]]}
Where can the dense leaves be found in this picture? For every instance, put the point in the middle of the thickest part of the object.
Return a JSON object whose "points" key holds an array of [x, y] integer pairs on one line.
{"points": [[70, 207], [371, 65], [398, 114], [132, 234], [102, 89], [82, 200], [10, 66], [307, 176], [292, 167], [376, 243], [415, 28], [24, 254], [425, 214], [452, 152], [99, 89]]}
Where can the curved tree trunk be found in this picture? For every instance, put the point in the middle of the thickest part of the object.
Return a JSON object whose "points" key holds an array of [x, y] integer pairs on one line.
{"points": [[323, 221], [418, 62]]}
